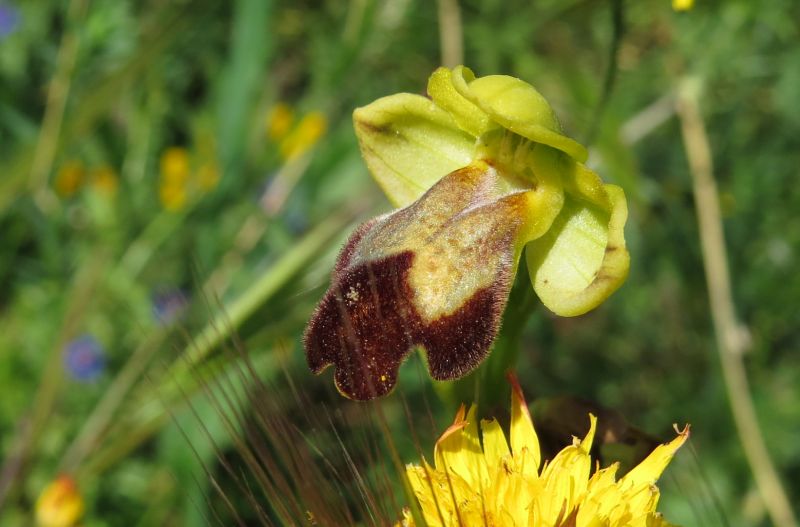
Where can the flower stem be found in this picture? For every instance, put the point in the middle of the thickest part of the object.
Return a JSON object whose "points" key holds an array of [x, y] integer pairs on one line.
{"points": [[618, 30], [450, 33], [57, 94], [732, 338], [487, 386]]}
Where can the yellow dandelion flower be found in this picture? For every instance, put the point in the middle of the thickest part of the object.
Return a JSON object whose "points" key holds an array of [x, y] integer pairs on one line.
{"points": [[69, 178], [104, 180], [279, 121], [60, 504], [682, 5], [308, 131], [175, 165], [501, 483]]}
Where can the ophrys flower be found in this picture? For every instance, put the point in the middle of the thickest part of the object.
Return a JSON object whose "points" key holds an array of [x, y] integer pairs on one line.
{"points": [[480, 172]]}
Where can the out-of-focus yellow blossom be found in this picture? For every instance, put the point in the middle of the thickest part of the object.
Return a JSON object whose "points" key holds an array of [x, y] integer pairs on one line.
{"points": [[60, 504], [279, 121], [173, 196], [207, 176], [175, 165], [305, 135], [104, 180], [500, 483], [682, 5], [69, 178], [173, 190], [179, 183]]}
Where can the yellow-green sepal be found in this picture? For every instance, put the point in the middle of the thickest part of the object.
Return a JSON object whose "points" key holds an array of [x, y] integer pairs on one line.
{"points": [[517, 106], [409, 143], [582, 259]]}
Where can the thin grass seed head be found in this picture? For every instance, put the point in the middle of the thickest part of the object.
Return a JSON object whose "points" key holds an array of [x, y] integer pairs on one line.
{"points": [[480, 171], [494, 479]]}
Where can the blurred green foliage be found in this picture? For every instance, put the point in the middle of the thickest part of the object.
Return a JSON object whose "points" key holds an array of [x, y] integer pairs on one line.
{"points": [[90, 255]]}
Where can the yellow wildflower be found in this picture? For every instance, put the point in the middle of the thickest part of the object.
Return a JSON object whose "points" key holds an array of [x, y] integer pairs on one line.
{"points": [[175, 165], [104, 180], [69, 178], [279, 121], [682, 5], [60, 504], [173, 195], [175, 168], [304, 136], [500, 482]]}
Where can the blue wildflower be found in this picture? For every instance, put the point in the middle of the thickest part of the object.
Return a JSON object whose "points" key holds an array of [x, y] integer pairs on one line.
{"points": [[169, 305], [9, 19], [84, 358]]}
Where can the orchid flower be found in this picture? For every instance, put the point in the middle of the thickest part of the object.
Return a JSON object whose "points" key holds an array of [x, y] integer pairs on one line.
{"points": [[479, 172]]}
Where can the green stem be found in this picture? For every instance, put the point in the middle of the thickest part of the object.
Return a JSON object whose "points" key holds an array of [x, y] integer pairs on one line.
{"points": [[732, 338], [486, 386], [493, 387], [57, 94], [618, 30]]}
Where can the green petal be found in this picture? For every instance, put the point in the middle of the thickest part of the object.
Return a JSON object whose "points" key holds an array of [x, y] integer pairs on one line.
{"points": [[582, 259], [409, 144], [516, 106], [469, 117]]}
